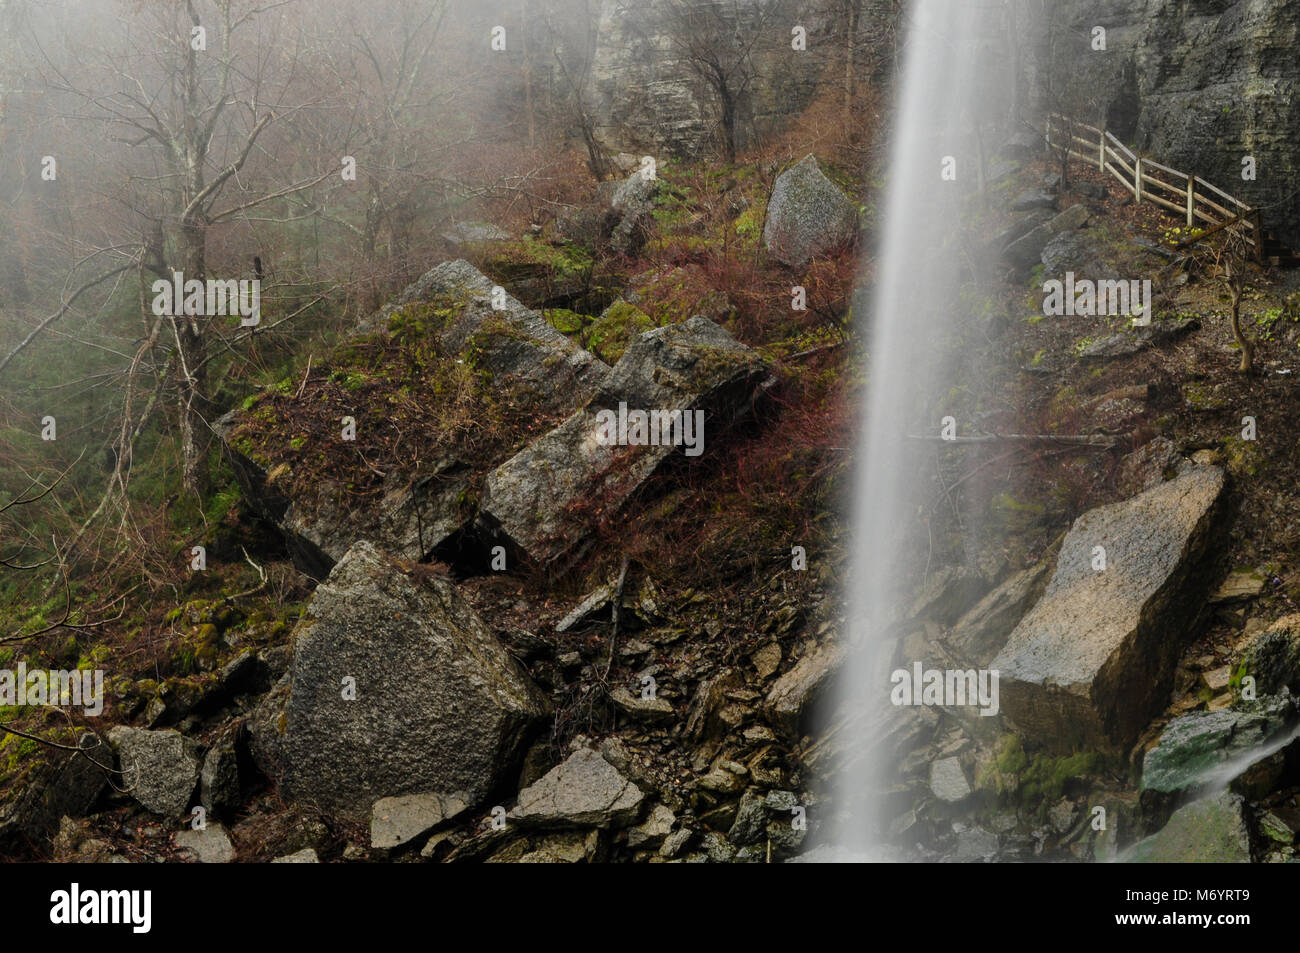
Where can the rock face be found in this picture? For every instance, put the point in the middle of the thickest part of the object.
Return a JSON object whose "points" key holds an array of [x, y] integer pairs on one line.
{"points": [[1210, 831], [583, 791], [1197, 85], [544, 499], [162, 767], [439, 704], [807, 215], [1093, 661], [421, 505], [644, 95]]}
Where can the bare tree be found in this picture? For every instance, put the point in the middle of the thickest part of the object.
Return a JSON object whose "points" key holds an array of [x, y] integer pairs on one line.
{"points": [[716, 40], [185, 96]]}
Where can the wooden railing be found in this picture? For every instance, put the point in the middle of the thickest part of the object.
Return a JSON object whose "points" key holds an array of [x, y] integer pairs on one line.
{"points": [[1150, 181]]}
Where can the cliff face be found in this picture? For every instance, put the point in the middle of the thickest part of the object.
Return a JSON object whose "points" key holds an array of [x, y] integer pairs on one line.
{"points": [[645, 95], [1199, 84]]}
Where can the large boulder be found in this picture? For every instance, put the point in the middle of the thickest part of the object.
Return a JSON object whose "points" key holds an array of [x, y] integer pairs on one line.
{"points": [[1093, 661], [546, 499], [515, 373], [439, 706], [160, 768], [807, 215]]}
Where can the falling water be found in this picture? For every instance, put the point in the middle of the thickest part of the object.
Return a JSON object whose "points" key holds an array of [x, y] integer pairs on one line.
{"points": [[954, 94]]}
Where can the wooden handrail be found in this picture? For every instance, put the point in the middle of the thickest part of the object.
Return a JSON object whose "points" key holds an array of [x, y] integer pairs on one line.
{"points": [[1195, 204]]}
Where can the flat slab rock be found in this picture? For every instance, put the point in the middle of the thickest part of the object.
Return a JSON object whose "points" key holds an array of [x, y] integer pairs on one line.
{"points": [[1093, 661], [440, 704], [583, 791], [545, 499], [399, 820]]}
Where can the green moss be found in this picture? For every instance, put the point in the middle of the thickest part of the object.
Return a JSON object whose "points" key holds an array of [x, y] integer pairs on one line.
{"points": [[564, 320], [614, 330]]}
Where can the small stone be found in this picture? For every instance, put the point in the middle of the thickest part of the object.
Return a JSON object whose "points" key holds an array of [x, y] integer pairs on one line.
{"points": [[654, 829], [767, 660], [208, 846], [641, 708], [1217, 679], [305, 856], [676, 842]]}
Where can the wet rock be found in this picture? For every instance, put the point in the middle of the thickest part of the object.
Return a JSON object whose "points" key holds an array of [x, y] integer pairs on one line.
{"points": [[395, 821], [584, 790], [1195, 749], [208, 846], [1092, 663], [428, 700], [807, 215], [1212, 830], [545, 499], [160, 767], [793, 694]]}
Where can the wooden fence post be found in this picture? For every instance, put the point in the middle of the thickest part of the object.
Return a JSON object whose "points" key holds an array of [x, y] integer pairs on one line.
{"points": [[1101, 158], [1137, 180], [1191, 201]]}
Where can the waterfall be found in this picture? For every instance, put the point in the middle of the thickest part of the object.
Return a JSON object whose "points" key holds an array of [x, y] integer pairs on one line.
{"points": [[954, 94]]}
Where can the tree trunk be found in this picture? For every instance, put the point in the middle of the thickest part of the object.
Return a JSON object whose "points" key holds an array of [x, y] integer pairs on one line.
{"points": [[1247, 346], [192, 342]]}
